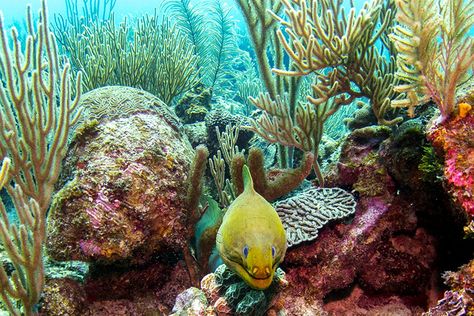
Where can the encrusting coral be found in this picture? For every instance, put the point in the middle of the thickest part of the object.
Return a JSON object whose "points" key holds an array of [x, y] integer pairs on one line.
{"points": [[194, 104], [453, 140], [36, 114]]}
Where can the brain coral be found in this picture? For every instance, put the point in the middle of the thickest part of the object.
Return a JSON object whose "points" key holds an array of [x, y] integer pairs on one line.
{"points": [[304, 214], [123, 187]]}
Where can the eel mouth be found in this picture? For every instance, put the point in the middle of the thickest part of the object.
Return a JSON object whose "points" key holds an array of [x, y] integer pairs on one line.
{"points": [[258, 283]]}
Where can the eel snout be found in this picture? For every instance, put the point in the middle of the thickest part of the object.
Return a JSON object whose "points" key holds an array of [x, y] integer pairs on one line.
{"points": [[261, 272]]}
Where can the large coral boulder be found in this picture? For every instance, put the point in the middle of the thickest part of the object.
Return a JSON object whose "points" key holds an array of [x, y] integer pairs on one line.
{"points": [[123, 182]]}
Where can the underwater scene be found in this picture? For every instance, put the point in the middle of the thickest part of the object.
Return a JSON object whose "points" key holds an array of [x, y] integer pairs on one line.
{"points": [[236, 157]]}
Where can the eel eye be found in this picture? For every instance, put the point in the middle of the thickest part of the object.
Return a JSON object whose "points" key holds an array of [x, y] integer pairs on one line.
{"points": [[245, 251], [273, 251]]}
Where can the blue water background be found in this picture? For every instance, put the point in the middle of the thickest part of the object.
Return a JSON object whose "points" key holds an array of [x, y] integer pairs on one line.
{"points": [[14, 10]]}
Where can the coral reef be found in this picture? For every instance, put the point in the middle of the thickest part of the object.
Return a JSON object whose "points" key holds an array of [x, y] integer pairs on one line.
{"points": [[382, 250], [123, 194], [136, 205]]}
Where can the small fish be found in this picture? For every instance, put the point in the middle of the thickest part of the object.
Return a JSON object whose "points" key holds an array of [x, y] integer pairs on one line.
{"points": [[251, 240]]}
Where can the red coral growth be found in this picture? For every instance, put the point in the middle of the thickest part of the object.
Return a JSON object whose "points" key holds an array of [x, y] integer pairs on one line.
{"points": [[455, 139]]}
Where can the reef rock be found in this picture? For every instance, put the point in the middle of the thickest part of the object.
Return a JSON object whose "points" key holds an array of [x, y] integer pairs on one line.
{"points": [[381, 251], [454, 140], [122, 188], [62, 297]]}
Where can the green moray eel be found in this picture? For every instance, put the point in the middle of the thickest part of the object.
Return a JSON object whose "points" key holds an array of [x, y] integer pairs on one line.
{"points": [[251, 239]]}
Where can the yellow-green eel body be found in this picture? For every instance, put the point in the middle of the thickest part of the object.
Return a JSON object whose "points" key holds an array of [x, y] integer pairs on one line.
{"points": [[251, 239]]}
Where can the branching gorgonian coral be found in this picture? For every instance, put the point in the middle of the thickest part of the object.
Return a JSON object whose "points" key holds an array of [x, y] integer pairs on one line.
{"points": [[269, 53], [150, 55], [342, 50], [210, 31], [435, 51], [304, 131], [78, 17], [36, 114]]}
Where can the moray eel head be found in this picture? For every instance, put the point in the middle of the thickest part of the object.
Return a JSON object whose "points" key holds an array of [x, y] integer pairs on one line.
{"points": [[256, 266], [251, 240]]}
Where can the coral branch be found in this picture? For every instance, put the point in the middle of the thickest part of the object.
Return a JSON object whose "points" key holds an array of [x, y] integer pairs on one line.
{"points": [[340, 49], [274, 183], [435, 51], [35, 118]]}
